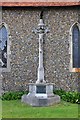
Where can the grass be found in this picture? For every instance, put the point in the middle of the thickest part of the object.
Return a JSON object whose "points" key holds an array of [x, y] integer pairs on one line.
{"points": [[0, 109], [16, 109]]}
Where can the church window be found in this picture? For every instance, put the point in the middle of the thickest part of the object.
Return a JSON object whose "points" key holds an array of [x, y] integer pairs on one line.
{"points": [[76, 46], [4, 48]]}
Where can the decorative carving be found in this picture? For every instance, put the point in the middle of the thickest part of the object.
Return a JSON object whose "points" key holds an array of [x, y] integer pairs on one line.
{"points": [[42, 29]]}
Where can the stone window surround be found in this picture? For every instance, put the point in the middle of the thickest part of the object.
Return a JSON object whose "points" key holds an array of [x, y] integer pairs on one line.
{"points": [[71, 69], [8, 49]]}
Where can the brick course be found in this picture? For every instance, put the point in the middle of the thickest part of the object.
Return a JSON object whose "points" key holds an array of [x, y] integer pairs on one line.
{"points": [[36, 3]]}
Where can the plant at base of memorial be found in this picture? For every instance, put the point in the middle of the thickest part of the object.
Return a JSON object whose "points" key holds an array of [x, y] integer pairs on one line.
{"points": [[13, 95], [69, 96]]}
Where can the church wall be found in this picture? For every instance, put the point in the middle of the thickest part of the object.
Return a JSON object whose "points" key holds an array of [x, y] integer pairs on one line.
{"points": [[24, 46]]}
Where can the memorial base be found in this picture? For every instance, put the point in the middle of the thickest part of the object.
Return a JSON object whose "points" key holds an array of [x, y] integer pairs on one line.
{"points": [[40, 95]]}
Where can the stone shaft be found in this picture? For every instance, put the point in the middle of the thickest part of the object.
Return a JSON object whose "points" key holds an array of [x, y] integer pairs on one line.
{"points": [[41, 31], [40, 68]]}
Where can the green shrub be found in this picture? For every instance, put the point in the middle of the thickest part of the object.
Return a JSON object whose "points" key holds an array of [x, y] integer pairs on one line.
{"points": [[13, 95], [73, 97]]}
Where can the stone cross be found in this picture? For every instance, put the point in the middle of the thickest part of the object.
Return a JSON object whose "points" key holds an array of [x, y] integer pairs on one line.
{"points": [[41, 92], [41, 30]]}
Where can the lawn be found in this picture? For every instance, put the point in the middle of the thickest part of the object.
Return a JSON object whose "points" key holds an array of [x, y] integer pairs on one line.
{"points": [[16, 109], [0, 109]]}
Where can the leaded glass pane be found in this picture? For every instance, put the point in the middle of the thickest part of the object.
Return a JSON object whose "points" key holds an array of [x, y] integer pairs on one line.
{"points": [[3, 47], [76, 47]]}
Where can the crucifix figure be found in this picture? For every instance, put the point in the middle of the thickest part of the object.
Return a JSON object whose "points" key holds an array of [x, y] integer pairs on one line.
{"points": [[41, 30]]}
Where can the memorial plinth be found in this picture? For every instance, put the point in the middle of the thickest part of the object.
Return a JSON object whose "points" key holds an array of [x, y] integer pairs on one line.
{"points": [[41, 92], [40, 95]]}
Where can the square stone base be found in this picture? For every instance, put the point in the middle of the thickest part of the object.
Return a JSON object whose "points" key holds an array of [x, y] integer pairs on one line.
{"points": [[40, 95], [41, 100]]}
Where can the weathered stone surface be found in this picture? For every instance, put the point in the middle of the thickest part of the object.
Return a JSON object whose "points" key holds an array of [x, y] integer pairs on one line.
{"points": [[24, 47], [40, 98], [36, 101]]}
